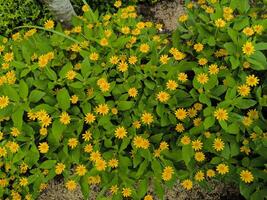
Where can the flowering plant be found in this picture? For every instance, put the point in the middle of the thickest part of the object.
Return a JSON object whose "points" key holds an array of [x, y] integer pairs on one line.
{"points": [[113, 103]]}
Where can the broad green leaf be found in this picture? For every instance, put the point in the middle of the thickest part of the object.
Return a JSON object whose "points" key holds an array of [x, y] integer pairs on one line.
{"points": [[36, 95], [187, 153], [63, 99], [125, 105], [17, 117], [23, 89], [48, 164]]}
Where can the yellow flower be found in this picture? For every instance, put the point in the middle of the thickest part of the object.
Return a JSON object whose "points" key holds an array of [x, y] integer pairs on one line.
{"points": [[197, 145], [164, 59], [182, 77], [114, 189], [125, 30], [3, 152], [42, 61], [163, 97], [94, 56], [258, 29], [248, 31], [253, 114], [183, 18], [199, 176], [243, 90], [248, 48], [199, 156], [23, 181], [49, 24], [246, 176], [72, 143], [218, 144], [120, 132], [117, 4], [13, 147], [171, 85], [15, 132], [113, 163], [147, 118], [123, 66], [74, 99], [100, 164], [87, 136], [114, 60], [252, 80], [221, 114], [213, 69], [247, 121], [71, 185], [179, 128], [132, 60], [148, 197], [132, 92], [187, 184], [80, 170], [59, 168], [94, 156], [71, 75], [8, 57], [85, 8], [181, 113], [198, 47], [89, 118], [167, 173], [136, 124], [202, 61], [104, 42], [88, 148], [65, 118], [185, 140], [220, 23], [144, 48], [222, 169], [126, 192], [140, 142], [202, 78], [43, 147], [102, 109], [210, 173]]}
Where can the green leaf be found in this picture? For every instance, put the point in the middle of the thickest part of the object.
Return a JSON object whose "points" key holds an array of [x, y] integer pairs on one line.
{"points": [[125, 105], [55, 135], [17, 117], [261, 46], [141, 169], [142, 188], [209, 122], [63, 99], [204, 99], [258, 60], [48, 164], [23, 89], [85, 187], [244, 103], [241, 23], [11, 93], [32, 156], [234, 62], [187, 153], [50, 74], [36, 95]]}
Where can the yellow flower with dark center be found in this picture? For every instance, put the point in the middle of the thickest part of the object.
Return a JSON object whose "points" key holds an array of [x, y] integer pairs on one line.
{"points": [[126, 192], [248, 48], [202, 61], [95, 155], [246, 176], [113, 163], [171, 85], [187, 184], [199, 176], [42, 61], [59, 168], [164, 59], [185, 140], [248, 31], [114, 60], [80, 170], [123, 66], [71, 75], [163, 97], [179, 128], [182, 77], [258, 29], [198, 47], [144, 48], [15, 132], [71, 185], [221, 114], [64, 118], [43, 147], [140, 142], [167, 173], [75, 47], [3, 152], [202, 78], [88, 148], [199, 156], [197, 145], [132, 92], [222, 169], [49, 24], [100, 164], [8, 57], [197, 121], [72, 143], [213, 69], [89, 118], [102, 109], [120, 132], [252, 80], [243, 90], [23, 182], [181, 113], [191, 112], [13, 147], [94, 56], [163, 146], [218, 144], [147, 118]]}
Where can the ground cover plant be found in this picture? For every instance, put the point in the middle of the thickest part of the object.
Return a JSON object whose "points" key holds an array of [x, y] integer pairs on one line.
{"points": [[113, 103]]}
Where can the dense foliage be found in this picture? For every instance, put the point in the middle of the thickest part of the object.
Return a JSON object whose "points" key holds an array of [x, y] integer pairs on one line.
{"points": [[19, 12], [113, 103]]}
